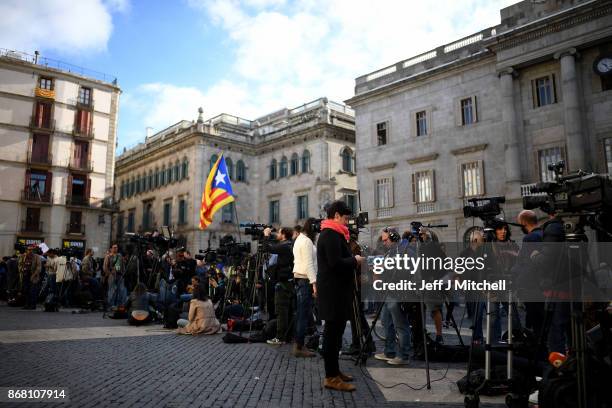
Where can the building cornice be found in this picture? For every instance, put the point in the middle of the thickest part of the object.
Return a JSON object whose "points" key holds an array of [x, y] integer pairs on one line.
{"points": [[28, 67], [423, 159], [382, 167], [419, 78], [469, 149], [560, 21]]}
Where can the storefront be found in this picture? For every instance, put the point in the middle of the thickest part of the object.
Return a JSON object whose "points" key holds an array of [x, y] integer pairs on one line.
{"points": [[74, 247], [21, 243]]}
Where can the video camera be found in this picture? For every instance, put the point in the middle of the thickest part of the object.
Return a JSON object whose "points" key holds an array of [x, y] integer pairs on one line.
{"points": [[162, 242], [255, 231], [575, 193], [483, 208], [357, 223]]}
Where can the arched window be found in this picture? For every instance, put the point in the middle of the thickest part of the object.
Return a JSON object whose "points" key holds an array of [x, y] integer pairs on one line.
{"points": [[150, 183], [230, 168], [162, 176], [213, 160], [121, 190], [177, 169], [131, 188], [169, 174], [347, 160], [273, 170], [240, 171], [283, 167], [184, 169], [295, 164], [156, 178], [305, 161]]}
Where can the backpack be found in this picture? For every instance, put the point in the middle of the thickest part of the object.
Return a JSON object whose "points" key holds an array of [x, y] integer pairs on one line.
{"points": [[51, 303], [171, 316]]}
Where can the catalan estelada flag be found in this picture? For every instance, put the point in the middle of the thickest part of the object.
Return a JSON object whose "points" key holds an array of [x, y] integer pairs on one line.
{"points": [[217, 192]]}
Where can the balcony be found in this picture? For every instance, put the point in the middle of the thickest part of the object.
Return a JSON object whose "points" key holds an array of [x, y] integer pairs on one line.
{"points": [[32, 196], [80, 165], [39, 125], [44, 93], [384, 212], [75, 229], [31, 227], [426, 208], [86, 134], [77, 201], [40, 160], [85, 104]]}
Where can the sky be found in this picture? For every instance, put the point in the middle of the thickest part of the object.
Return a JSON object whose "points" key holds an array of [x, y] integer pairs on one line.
{"points": [[247, 58]]}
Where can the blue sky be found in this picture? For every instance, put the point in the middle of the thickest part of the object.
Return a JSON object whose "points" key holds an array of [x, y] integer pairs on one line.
{"points": [[246, 57]]}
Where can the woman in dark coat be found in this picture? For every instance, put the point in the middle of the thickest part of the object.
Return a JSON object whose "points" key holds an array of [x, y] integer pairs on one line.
{"points": [[335, 274]]}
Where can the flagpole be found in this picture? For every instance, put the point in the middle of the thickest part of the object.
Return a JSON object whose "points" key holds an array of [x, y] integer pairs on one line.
{"points": [[237, 223]]}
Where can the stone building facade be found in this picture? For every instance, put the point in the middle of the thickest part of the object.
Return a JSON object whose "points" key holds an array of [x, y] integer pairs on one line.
{"points": [[484, 115], [57, 155], [283, 168]]}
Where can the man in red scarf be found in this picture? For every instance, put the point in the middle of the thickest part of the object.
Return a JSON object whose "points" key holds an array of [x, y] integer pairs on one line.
{"points": [[336, 266]]}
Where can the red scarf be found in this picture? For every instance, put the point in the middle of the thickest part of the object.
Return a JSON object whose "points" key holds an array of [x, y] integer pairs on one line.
{"points": [[336, 226]]}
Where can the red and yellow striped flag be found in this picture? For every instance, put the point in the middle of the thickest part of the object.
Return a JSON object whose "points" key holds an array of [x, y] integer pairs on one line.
{"points": [[217, 192]]}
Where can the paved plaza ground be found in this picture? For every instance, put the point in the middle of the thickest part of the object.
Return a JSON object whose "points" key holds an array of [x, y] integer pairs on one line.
{"points": [[104, 362]]}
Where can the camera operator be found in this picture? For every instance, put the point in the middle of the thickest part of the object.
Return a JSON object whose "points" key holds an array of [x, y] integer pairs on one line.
{"points": [[505, 252], [114, 270], [553, 262], [282, 276], [51, 269], [393, 318], [183, 269], [335, 274], [524, 268], [305, 278], [30, 267]]}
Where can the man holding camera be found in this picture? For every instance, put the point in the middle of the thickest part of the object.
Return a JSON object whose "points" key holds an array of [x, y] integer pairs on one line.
{"points": [[335, 274], [282, 275]]}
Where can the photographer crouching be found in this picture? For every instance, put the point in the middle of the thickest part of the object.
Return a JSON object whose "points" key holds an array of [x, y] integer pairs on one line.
{"points": [[335, 275], [282, 275]]}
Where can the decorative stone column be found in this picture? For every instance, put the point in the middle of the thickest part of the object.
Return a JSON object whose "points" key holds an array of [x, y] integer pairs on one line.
{"points": [[512, 155], [576, 147]]}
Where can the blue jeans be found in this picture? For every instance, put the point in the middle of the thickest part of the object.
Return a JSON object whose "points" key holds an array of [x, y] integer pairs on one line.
{"points": [[395, 320], [478, 311], [559, 334], [304, 309]]}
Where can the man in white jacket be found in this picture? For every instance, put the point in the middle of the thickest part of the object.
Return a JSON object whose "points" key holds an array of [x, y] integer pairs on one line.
{"points": [[305, 279]]}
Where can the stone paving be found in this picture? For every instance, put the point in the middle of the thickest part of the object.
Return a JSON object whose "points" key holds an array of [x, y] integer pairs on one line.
{"points": [[171, 370]]}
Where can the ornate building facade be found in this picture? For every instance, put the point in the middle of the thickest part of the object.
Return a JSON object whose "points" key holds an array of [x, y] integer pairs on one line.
{"points": [[283, 167], [485, 115], [58, 135]]}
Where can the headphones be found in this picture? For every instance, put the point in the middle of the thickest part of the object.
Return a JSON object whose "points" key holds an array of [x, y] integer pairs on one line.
{"points": [[394, 236]]}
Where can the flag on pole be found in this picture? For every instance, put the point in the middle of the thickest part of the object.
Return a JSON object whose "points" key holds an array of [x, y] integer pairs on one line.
{"points": [[217, 192]]}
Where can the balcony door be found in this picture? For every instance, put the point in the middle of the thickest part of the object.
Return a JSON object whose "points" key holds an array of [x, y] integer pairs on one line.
{"points": [[40, 148], [81, 150], [42, 118], [32, 221]]}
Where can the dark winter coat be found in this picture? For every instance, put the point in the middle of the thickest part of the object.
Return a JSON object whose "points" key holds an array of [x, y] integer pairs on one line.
{"points": [[335, 276]]}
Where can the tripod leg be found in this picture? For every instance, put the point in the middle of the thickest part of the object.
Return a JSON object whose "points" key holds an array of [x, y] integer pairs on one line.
{"points": [[424, 317], [452, 318]]}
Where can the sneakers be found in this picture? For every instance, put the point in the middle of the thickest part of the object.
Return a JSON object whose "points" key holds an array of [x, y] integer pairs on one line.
{"points": [[275, 342], [383, 357], [398, 361], [336, 383]]}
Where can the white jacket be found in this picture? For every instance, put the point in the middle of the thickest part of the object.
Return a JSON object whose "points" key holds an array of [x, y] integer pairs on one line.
{"points": [[304, 259]]}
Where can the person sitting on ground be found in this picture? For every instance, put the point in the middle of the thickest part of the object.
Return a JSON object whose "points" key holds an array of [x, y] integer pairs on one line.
{"points": [[202, 319], [138, 306]]}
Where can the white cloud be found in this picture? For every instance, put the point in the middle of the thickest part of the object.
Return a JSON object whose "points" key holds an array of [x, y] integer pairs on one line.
{"points": [[60, 25], [287, 54]]}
